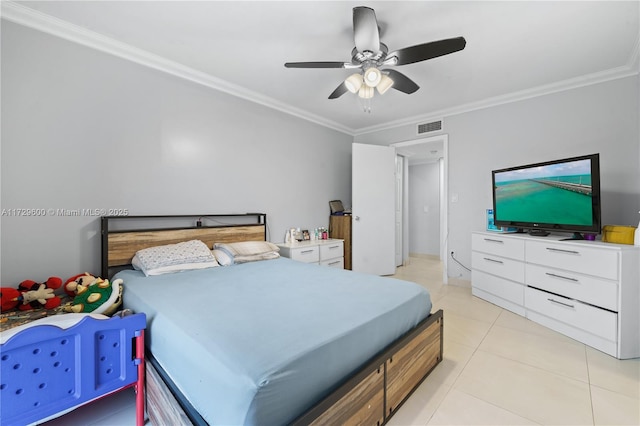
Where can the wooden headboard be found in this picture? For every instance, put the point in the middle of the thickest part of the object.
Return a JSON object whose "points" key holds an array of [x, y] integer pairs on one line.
{"points": [[123, 236]]}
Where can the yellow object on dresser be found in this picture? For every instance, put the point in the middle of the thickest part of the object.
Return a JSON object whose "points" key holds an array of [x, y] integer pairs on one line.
{"points": [[618, 234]]}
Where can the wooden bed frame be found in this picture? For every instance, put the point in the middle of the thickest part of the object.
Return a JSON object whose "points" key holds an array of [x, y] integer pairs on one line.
{"points": [[370, 396]]}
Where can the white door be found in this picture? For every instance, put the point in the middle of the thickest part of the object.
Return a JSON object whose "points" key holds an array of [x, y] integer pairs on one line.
{"points": [[373, 233]]}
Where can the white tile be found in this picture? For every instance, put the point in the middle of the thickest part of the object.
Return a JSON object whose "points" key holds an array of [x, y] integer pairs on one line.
{"points": [[510, 320], [621, 376], [567, 358], [611, 408], [459, 408], [455, 357], [464, 330], [460, 302], [418, 409], [527, 391]]}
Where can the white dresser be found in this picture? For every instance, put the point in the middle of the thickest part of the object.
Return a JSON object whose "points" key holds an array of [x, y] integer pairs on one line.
{"points": [[587, 290], [323, 252]]}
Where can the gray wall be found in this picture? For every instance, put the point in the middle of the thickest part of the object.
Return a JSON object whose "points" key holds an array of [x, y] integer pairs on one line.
{"points": [[83, 129], [424, 192], [601, 118]]}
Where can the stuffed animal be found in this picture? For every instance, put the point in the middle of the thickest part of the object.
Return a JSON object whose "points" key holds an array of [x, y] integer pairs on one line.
{"points": [[98, 297], [31, 295], [71, 285]]}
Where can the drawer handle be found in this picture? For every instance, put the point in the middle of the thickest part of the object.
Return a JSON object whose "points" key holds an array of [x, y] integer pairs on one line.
{"points": [[494, 241], [493, 260], [560, 303], [332, 247], [306, 251], [575, 280], [563, 251], [334, 263]]}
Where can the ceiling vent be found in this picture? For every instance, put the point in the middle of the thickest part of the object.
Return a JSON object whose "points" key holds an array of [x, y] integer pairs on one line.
{"points": [[434, 126]]}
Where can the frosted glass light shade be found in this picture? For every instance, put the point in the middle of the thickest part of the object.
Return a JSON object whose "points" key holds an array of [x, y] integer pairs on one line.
{"points": [[366, 92], [385, 84], [353, 82], [372, 77]]}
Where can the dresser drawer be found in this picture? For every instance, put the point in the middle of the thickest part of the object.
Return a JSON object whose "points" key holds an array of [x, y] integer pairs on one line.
{"points": [[576, 314], [505, 268], [504, 289], [331, 251], [333, 263], [586, 288], [305, 254], [498, 245], [584, 260]]}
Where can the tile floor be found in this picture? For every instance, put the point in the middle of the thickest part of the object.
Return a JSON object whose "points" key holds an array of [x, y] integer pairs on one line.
{"points": [[498, 369], [502, 369]]}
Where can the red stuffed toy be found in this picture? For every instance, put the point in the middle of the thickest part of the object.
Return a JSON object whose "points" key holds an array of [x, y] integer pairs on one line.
{"points": [[31, 295]]}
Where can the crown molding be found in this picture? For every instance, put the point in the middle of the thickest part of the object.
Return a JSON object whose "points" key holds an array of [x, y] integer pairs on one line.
{"points": [[561, 86], [42, 22]]}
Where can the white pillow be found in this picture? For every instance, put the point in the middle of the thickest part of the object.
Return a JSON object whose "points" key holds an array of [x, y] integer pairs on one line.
{"points": [[223, 257], [245, 251], [170, 258], [247, 248]]}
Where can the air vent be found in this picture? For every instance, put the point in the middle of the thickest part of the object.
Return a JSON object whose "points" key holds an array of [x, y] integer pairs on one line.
{"points": [[434, 126]]}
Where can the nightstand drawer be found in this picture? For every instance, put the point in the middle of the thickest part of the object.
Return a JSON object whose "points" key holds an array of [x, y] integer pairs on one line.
{"points": [[309, 254], [334, 263], [331, 251]]}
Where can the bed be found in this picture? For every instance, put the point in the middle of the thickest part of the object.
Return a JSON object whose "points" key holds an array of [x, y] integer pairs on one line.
{"points": [[273, 341], [57, 363]]}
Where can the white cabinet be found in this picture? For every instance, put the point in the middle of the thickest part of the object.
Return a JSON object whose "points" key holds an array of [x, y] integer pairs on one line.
{"points": [[323, 252], [587, 290]]}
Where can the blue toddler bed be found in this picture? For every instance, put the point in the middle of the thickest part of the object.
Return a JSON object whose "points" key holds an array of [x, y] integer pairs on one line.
{"points": [[55, 364]]}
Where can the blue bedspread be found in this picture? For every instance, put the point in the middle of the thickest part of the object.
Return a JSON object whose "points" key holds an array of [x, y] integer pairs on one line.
{"points": [[261, 342]]}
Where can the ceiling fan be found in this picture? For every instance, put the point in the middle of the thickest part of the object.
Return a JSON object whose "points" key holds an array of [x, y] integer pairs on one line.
{"points": [[370, 55]]}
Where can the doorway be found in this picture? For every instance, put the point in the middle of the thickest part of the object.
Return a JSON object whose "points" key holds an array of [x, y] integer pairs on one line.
{"points": [[424, 151]]}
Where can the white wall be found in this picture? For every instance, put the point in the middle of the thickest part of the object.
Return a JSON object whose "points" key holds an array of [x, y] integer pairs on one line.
{"points": [[599, 118], [83, 129], [424, 209]]}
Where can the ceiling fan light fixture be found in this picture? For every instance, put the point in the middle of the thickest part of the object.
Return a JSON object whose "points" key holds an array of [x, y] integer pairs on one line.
{"points": [[366, 92], [372, 76], [353, 82], [385, 84]]}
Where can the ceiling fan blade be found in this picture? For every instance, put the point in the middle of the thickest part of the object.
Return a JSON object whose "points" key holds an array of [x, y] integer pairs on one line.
{"points": [[340, 90], [315, 64], [422, 52], [401, 82], [365, 29]]}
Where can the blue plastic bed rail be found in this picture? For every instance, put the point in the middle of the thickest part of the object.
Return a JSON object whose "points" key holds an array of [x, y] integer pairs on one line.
{"points": [[46, 370]]}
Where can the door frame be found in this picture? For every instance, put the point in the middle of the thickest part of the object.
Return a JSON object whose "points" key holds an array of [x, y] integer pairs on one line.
{"points": [[444, 195]]}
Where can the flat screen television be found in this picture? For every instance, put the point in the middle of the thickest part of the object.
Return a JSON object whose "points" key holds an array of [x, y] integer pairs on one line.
{"points": [[559, 195]]}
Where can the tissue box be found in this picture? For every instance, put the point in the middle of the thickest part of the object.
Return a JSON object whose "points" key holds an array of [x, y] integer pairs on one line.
{"points": [[619, 234]]}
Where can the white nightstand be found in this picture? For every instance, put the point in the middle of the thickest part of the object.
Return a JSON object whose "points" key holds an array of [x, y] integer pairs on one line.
{"points": [[322, 252]]}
